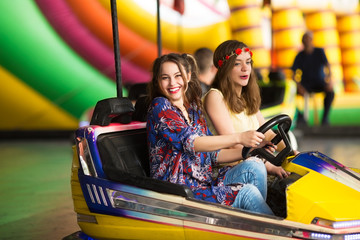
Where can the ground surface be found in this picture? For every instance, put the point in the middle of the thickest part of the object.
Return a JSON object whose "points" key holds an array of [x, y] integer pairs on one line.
{"points": [[35, 194]]}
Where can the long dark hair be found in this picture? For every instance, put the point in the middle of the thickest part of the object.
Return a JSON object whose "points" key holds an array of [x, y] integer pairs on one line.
{"points": [[183, 61], [250, 98]]}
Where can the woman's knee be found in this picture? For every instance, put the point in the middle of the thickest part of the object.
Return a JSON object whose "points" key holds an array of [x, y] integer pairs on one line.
{"points": [[249, 197], [257, 175], [247, 170], [250, 190]]}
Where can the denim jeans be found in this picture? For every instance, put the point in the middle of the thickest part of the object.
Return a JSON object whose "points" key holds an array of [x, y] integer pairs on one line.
{"points": [[252, 196]]}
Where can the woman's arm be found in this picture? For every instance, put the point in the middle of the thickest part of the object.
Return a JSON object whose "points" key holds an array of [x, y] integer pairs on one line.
{"points": [[229, 155], [176, 132], [213, 143], [216, 109], [219, 115]]}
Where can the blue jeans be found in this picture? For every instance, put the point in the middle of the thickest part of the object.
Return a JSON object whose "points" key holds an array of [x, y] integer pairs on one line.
{"points": [[252, 196]]}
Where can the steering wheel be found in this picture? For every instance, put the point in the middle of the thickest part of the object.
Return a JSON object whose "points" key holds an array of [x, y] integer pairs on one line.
{"points": [[283, 122]]}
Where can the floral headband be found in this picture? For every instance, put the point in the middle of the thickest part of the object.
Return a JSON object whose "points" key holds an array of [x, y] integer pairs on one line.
{"points": [[238, 51]]}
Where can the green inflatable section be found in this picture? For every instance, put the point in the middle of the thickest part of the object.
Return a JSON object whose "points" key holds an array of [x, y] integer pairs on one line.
{"points": [[33, 51]]}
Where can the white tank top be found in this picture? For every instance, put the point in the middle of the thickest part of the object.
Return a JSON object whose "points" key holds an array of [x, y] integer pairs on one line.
{"points": [[241, 121]]}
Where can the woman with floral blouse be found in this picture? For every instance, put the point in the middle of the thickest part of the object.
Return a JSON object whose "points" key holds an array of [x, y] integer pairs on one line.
{"points": [[182, 149]]}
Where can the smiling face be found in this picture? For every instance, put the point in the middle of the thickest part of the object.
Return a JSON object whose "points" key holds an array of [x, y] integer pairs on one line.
{"points": [[240, 73], [172, 83]]}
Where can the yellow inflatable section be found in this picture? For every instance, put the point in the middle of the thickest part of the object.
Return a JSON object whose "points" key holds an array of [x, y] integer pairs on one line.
{"points": [[349, 31], [246, 22], [174, 37], [288, 27], [41, 113]]}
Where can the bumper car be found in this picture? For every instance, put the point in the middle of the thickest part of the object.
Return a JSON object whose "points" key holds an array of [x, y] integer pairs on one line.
{"points": [[115, 198]]}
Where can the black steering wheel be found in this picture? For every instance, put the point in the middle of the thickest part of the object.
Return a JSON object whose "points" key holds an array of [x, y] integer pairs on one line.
{"points": [[283, 122]]}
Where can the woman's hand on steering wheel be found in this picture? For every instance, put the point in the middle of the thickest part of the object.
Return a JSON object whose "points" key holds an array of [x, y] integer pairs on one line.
{"points": [[252, 138], [283, 122], [267, 145]]}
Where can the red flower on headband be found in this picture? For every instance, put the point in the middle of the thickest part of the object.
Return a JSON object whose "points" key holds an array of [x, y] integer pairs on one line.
{"points": [[248, 50], [237, 51], [220, 63]]}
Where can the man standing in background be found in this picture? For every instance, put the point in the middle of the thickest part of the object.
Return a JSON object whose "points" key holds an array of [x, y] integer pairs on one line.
{"points": [[315, 73]]}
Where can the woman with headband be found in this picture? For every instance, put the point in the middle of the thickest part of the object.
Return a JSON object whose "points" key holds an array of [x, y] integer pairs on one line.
{"points": [[233, 103]]}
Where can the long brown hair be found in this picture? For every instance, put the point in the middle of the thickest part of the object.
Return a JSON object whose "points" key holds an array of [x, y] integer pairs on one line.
{"points": [[250, 98], [183, 61]]}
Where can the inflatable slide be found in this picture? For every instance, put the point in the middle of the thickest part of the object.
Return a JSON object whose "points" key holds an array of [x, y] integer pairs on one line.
{"points": [[57, 60]]}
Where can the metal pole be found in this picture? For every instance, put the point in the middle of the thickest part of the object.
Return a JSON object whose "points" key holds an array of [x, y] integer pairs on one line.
{"points": [[158, 29], [116, 48]]}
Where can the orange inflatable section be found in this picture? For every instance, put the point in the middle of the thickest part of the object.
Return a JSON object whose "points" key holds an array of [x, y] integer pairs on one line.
{"points": [[98, 20]]}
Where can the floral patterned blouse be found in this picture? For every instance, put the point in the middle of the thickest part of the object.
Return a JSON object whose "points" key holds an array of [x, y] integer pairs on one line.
{"points": [[173, 157]]}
